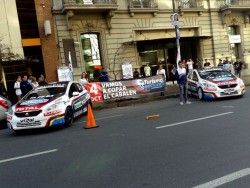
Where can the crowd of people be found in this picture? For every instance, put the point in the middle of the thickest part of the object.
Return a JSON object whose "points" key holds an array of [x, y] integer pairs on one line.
{"points": [[22, 85]]}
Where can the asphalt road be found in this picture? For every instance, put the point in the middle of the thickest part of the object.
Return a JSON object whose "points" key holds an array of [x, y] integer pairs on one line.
{"points": [[205, 144]]}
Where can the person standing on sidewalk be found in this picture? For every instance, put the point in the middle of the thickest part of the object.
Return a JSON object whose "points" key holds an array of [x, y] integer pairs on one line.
{"points": [[238, 65], [182, 73], [147, 70]]}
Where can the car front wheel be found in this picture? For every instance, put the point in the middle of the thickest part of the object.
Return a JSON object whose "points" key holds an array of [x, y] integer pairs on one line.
{"points": [[200, 94], [68, 117]]}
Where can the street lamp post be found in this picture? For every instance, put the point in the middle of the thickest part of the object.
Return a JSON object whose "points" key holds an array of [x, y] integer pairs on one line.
{"points": [[177, 33]]}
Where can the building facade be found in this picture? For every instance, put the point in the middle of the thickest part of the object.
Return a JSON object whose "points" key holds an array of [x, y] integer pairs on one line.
{"points": [[108, 33], [27, 30]]}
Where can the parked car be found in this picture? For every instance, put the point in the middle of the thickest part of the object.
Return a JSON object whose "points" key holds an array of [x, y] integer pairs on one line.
{"points": [[211, 83], [5, 104], [49, 105]]}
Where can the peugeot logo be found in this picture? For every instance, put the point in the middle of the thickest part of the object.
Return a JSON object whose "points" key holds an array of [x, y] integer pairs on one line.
{"points": [[228, 86], [27, 114]]}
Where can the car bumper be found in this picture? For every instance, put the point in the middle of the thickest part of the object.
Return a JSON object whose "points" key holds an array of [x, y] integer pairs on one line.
{"points": [[222, 93], [40, 121]]}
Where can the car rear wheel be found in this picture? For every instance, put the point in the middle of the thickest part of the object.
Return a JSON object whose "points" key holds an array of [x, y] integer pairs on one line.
{"points": [[200, 94], [68, 117]]}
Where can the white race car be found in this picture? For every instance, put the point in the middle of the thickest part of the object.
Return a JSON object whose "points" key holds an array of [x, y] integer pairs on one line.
{"points": [[211, 83], [49, 105]]}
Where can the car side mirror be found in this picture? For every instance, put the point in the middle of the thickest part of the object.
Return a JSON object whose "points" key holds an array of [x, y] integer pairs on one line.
{"points": [[75, 93]]}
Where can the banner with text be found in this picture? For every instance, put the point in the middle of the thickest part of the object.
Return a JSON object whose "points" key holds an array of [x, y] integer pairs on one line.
{"points": [[125, 89]]}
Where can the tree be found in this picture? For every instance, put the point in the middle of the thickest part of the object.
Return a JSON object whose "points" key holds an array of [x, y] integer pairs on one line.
{"points": [[6, 53], [117, 60]]}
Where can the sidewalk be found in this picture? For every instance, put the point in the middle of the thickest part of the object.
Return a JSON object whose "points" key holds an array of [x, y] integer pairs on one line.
{"points": [[171, 92]]}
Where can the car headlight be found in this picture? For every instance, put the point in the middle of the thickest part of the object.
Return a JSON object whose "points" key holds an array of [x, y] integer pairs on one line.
{"points": [[53, 107], [241, 83], [10, 111], [209, 87]]}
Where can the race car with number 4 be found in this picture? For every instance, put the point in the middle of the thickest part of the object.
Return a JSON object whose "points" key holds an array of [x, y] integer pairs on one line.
{"points": [[211, 83], [49, 105]]}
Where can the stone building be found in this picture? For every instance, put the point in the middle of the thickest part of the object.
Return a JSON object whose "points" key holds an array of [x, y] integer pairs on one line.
{"points": [[108, 33]]}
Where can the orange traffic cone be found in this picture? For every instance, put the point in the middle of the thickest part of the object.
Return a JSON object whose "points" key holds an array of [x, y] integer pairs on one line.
{"points": [[90, 119]]}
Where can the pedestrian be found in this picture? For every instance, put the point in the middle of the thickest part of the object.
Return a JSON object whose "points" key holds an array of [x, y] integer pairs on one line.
{"points": [[42, 80], [161, 71], [30, 78], [220, 64], [83, 80], [17, 88], [34, 83], [97, 75], [182, 73], [25, 85], [136, 73], [190, 64], [174, 76], [207, 65], [227, 65], [238, 66], [104, 76], [3, 91], [147, 70]]}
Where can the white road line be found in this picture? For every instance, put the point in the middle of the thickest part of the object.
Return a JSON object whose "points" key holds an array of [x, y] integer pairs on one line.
{"points": [[101, 118], [198, 119], [26, 156], [225, 179]]}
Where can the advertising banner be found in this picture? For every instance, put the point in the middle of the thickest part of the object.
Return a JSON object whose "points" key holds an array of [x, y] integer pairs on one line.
{"points": [[103, 91]]}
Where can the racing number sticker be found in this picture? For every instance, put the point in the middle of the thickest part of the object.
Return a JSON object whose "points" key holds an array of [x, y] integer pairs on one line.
{"points": [[94, 88]]}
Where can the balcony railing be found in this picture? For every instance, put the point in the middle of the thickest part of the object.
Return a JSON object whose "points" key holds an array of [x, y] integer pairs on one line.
{"points": [[190, 3], [90, 2], [143, 4], [234, 2]]}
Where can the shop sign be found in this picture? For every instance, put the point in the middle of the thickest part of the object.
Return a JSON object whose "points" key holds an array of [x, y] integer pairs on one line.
{"points": [[234, 39]]}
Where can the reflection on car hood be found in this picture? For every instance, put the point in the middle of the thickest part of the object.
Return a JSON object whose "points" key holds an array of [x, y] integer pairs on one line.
{"points": [[33, 104]]}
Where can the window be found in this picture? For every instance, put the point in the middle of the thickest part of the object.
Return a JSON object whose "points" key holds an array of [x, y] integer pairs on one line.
{"points": [[195, 77], [71, 90], [91, 52]]}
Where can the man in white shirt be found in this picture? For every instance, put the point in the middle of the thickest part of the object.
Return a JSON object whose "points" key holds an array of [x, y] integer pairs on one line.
{"points": [[190, 64], [147, 70]]}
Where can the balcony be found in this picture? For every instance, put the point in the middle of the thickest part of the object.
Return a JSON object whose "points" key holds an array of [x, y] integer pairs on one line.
{"points": [[228, 7], [89, 6], [142, 6], [190, 6], [237, 5]]}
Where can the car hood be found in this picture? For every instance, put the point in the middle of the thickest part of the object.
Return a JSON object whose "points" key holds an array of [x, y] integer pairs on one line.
{"points": [[33, 104]]}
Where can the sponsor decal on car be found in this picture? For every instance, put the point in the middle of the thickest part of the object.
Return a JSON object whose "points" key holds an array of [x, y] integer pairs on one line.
{"points": [[27, 108], [51, 113], [33, 102]]}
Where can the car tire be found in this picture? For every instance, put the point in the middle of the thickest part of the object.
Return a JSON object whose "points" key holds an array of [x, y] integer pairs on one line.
{"points": [[200, 94], [68, 117]]}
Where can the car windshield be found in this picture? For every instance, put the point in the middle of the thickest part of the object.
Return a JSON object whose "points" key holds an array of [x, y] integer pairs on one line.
{"points": [[215, 75], [46, 92]]}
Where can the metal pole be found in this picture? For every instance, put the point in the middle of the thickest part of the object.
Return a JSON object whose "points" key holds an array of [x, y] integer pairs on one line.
{"points": [[178, 57]]}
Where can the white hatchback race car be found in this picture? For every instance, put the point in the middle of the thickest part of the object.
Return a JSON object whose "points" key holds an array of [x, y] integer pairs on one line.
{"points": [[211, 83], [49, 105]]}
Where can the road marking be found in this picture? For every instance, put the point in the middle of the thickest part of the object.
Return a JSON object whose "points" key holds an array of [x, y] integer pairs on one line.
{"points": [[26, 156], [198, 119], [225, 179], [227, 106], [101, 118]]}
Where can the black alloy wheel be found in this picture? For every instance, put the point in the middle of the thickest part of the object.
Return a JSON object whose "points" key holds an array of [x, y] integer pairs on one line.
{"points": [[68, 116]]}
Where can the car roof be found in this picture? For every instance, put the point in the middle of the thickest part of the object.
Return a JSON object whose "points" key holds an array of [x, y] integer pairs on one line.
{"points": [[210, 69]]}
